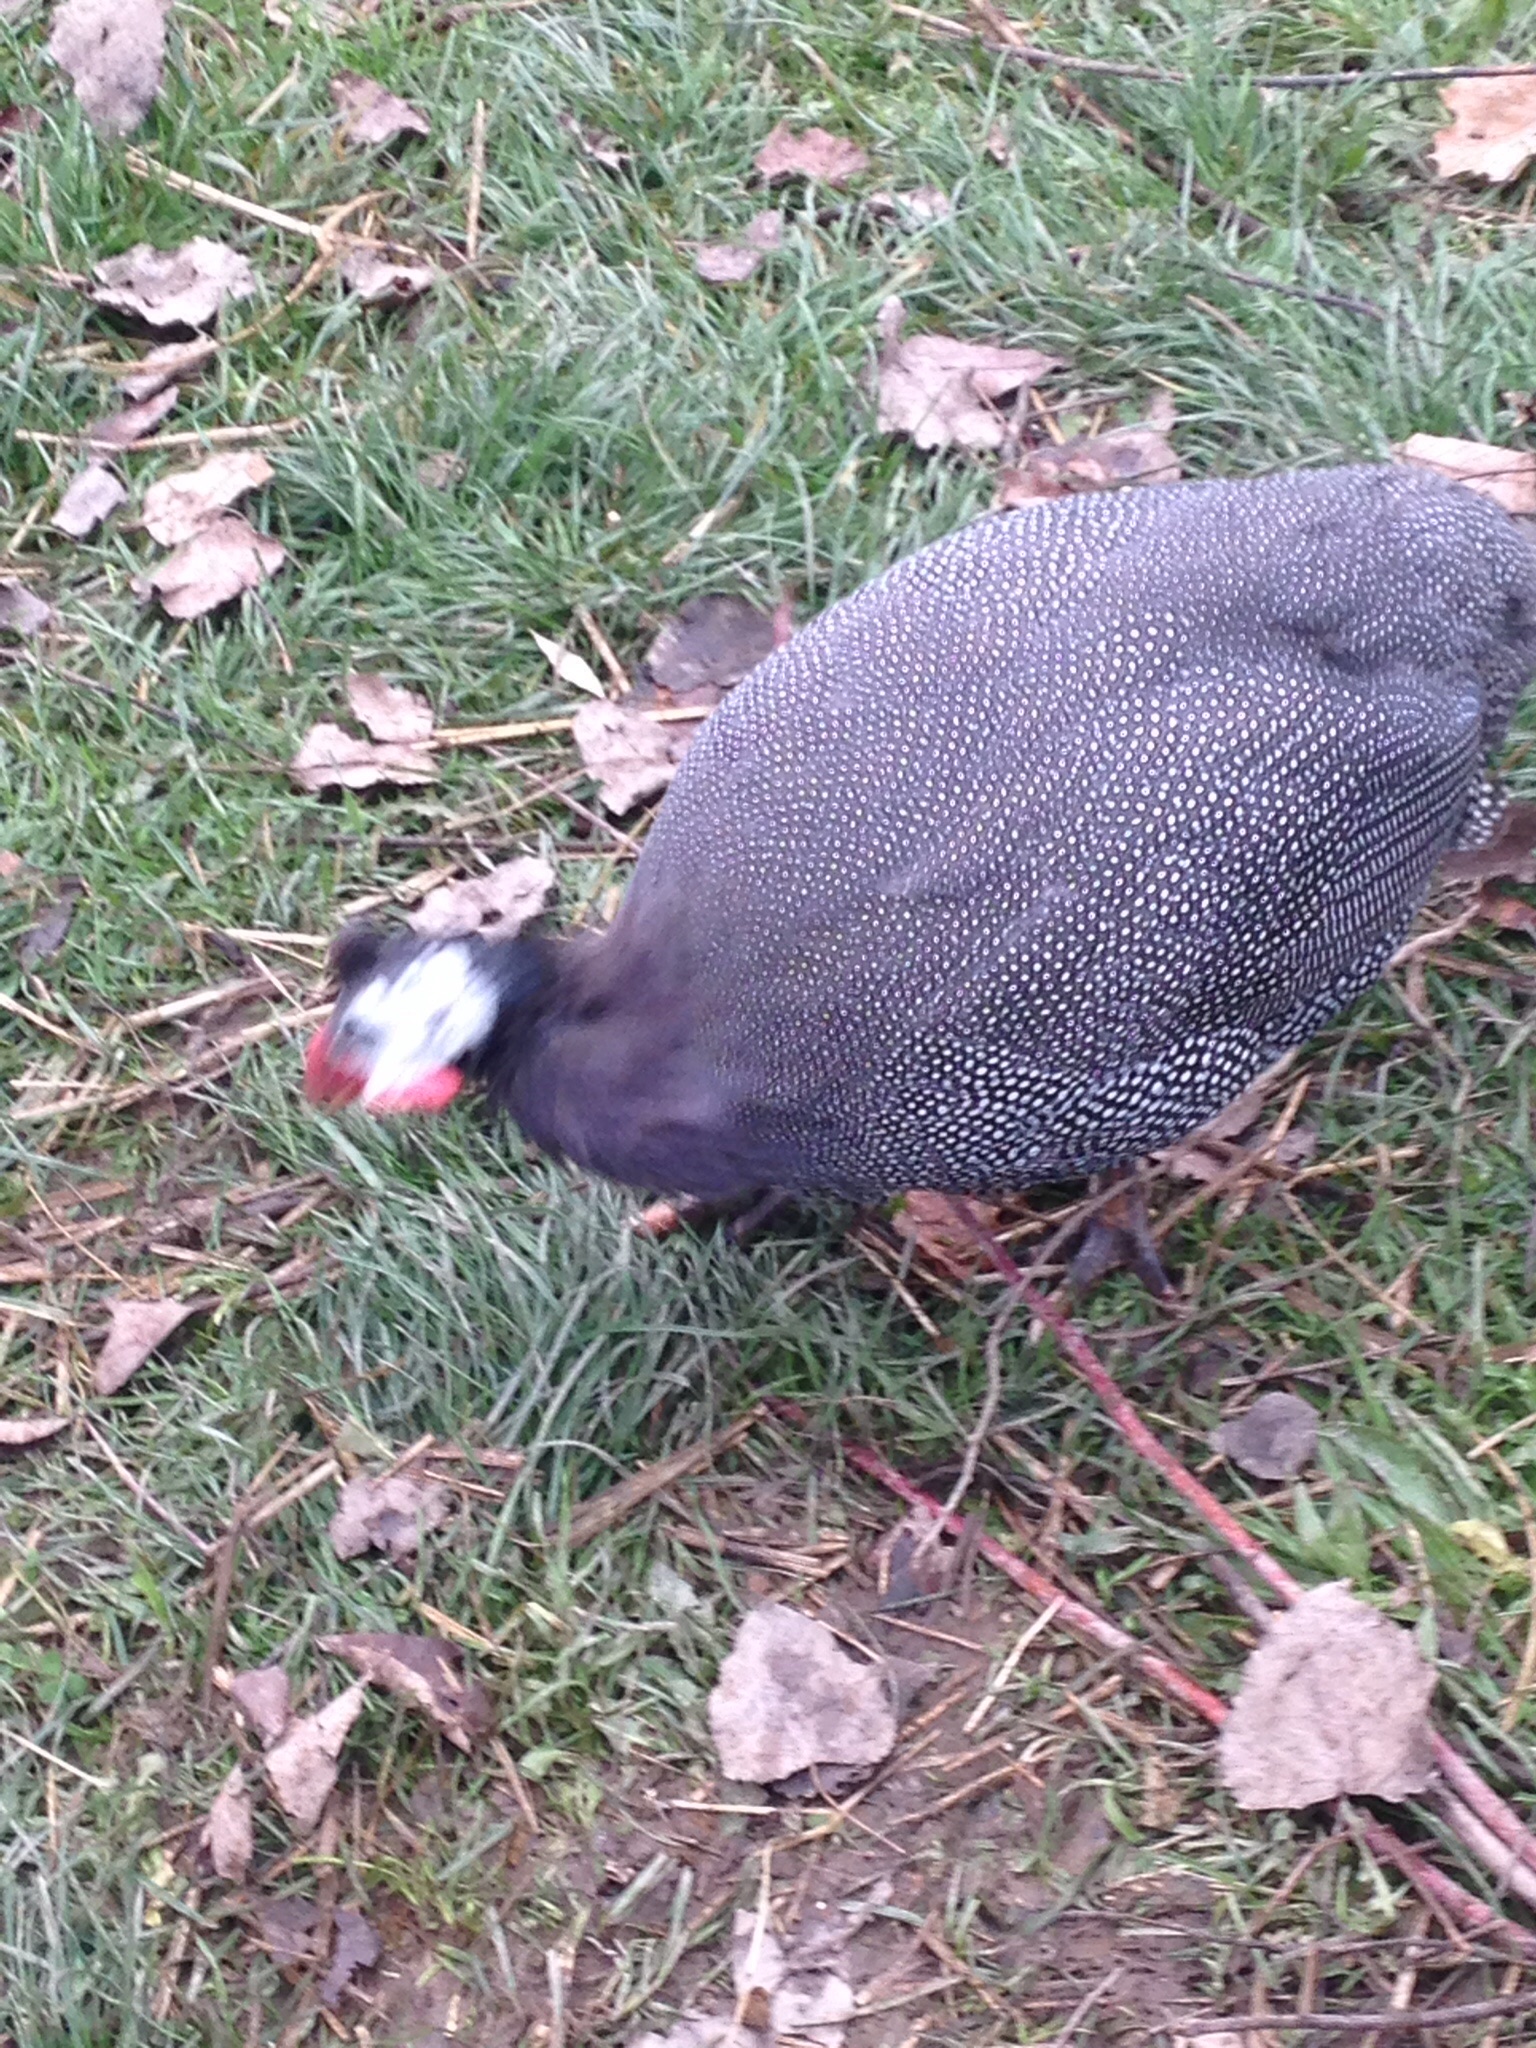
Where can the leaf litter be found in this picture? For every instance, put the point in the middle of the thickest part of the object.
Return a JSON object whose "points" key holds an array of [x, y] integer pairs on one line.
{"points": [[789, 1698], [706, 647], [133, 422], [229, 1834], [22, 612], [302, 1766], [356, 1947], [182, 287], [388, 710], [137, 1329], [21, 1432], [1273, 1438], [424, 1671], [114, 53], [52, 929], [94, 493], [1507, 475], [630, 756], [371, 115], [220, 562], [1334, 1700], [264, 1698], [390, 1514], [570, 667], [380, 280], [814, 153], [1492, 131], [946, 393], [181, 505], [496, 905], [1137, 454]]}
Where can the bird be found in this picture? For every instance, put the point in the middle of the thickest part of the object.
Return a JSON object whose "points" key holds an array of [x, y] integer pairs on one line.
{"points": [[1019, 862]]}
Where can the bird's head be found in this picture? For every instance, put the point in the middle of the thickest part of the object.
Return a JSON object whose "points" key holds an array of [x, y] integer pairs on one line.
{"points": [[414, 1017]]}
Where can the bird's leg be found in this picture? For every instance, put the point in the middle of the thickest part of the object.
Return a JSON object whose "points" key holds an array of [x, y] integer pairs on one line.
{"points": [[742, 1215], [1119, 1233]]}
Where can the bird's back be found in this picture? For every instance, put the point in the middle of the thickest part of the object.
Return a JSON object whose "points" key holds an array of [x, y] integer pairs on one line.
{"points": [[1026, 856]]}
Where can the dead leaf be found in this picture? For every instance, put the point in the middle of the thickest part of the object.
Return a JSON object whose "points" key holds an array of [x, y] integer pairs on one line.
{"points": [[802, 1992], [919, 208], [229, 1833], [831, 159], [21, 612], [569, 667], [92, 494], [788, 1698], [182, 287], [440, 470], [1273, 1438], [161, 366], [1138, 454], [183, 504], [1509, 913], [926, 1220], [1119, 1234], [1507, 475], [710, 643], [51, 930], [11, 862], [264, 1698], [389, 711], [330, 758], [137, 1328], [603, 149], [371, 115], [302, 1767], [496, 905], [1493, 129], [999, 145], [1509, 856], [725, 262], [134, 422], [425, 1671], [289, 1929], [356, 1948], [765, 230], [944, 392], [114, 50], [1334, 1700], [380, 280], [389, 1514], [630, 756], [221, 561], [21, 1432]]}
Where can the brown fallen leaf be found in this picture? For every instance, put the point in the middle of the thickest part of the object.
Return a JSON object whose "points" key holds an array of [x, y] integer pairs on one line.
{"points": [[330, 758], [944, 393], [380, 280], [603, 149], [114, 51], [1507, 475], [1509, 856], [798, 1992], [263, 1697], [1492, 133], [163, 365], [183, 504], [219, 563], [927, 1221], [1139, 454], [92, 494], [1509, 913], [356, 1948], [569, 666], [1273, 1438], [1334, 1700], [426, 1672], [21, 1432], [182, 287], [389, 710], [229, 1833], [21, 612], [390, 1514], [51, 930], [814, 153], [630, 756], [789, 1698], [496, 905], [440, 470], [919, 208], [725, 262], [137, 1328], [999, 145], [370, 114], [765, 230], [711, 642], [134, 422], [289, 1929], [302, 1767]]}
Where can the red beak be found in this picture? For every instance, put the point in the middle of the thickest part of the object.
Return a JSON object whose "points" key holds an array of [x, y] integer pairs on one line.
{"points": [[326, 1080]]}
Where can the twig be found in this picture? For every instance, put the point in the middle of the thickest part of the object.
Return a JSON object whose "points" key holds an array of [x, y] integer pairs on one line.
{"points": [[141, 1492], [975, 1442], [595, 1517], [1415, 2020], [476, 183], [1284, 81], [1339, 300], [534, 728], [192, 439]]}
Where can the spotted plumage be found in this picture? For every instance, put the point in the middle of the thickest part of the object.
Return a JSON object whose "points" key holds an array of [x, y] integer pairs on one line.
{"points": [[1030, 854]]}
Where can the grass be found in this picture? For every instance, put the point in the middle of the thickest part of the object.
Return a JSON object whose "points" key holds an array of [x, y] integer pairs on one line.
{"points": [[602, 400]]}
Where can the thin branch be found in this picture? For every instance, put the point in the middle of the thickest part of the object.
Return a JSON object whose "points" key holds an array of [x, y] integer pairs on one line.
{"points": [[1413, 2020]]}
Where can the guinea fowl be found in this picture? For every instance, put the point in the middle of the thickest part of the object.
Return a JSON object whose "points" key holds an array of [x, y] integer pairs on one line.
{"points": [[1018, 863]]}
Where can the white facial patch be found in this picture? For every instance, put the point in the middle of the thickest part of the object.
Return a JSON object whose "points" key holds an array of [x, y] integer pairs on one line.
{"points": [[422, 1019]]}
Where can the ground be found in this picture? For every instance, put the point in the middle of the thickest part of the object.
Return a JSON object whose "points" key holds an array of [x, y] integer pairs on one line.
{"points": [[626, 436]]}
